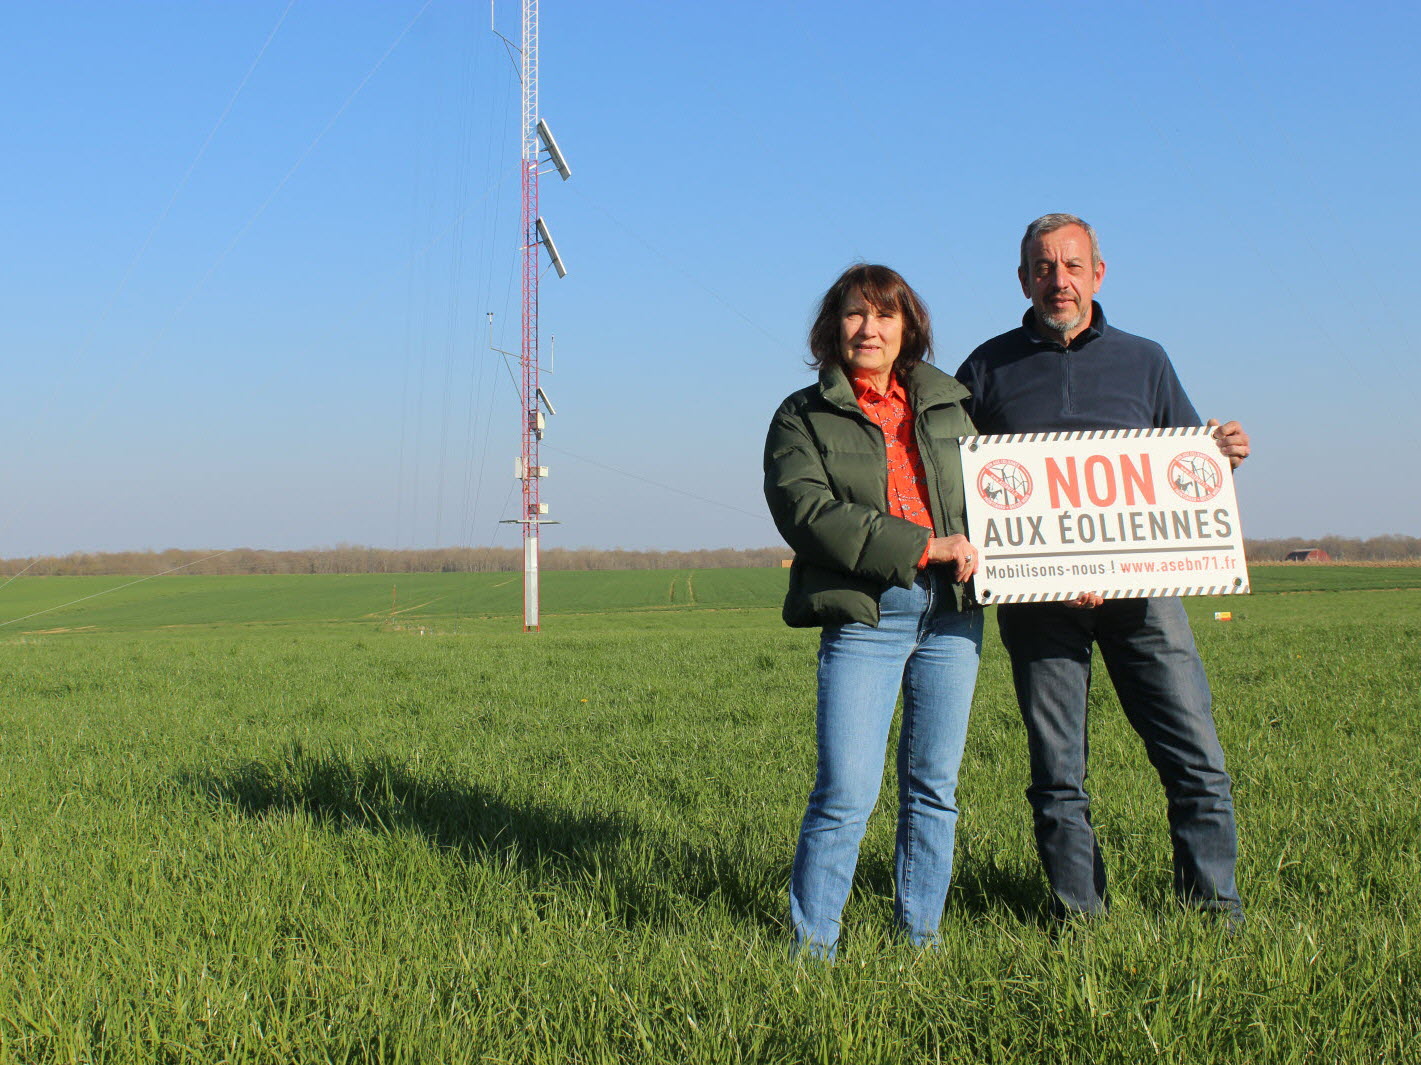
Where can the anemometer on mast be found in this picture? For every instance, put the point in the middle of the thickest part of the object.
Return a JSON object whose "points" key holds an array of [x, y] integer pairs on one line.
{"points": [[539, 148]]}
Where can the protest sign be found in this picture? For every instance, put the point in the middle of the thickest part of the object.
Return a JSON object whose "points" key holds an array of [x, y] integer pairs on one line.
{"points": [[1124, 513]]}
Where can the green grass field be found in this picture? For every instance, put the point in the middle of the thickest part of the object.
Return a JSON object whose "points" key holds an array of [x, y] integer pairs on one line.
{"points": [[286, 819], [55, 605]]}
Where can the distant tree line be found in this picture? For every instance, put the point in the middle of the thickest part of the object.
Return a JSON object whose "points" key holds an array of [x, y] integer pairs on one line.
{"points": [[347, 558], [1342, 549]]}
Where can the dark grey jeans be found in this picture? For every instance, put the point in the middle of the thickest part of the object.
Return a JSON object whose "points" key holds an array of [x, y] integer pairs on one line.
{"points": [[1149, 652]]}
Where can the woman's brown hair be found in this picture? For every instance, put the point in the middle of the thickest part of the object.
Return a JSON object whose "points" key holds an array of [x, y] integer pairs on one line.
{"points": [[884, 289]]}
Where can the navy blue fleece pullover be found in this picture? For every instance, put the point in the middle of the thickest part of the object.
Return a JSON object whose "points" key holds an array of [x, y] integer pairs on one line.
{"points": [[1106, 379]]}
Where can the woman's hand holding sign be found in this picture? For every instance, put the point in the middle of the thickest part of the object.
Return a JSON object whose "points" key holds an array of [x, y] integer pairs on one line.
{"points": [[956, 549]]}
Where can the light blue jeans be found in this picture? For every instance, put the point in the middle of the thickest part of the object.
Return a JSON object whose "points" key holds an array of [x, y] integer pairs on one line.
{"points": [[925, 647]]}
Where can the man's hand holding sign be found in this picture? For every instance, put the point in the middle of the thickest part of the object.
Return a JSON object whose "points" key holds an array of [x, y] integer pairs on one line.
{"points": [[1232, 441]]}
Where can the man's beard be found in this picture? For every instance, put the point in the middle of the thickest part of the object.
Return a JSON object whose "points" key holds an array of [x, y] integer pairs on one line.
{"points": [[1064, 325]]}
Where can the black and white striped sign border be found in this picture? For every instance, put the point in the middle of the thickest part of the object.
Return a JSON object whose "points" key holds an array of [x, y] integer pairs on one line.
{"points": [[1137, 593], [1093, 434]]}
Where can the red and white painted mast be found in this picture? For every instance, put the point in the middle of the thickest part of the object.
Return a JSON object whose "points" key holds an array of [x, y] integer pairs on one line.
{"points": [[535, 233]]}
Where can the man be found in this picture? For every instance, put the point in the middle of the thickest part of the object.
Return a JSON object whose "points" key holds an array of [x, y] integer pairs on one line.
{"points": [[1066, 368]]}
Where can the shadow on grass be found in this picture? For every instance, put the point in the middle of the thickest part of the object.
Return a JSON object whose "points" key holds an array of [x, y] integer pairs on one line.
{"points": [[638, 877], [987, 880], [982, 884]]}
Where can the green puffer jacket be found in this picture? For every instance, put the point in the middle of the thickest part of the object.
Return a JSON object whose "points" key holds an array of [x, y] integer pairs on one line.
{"points": [[826, 481]]}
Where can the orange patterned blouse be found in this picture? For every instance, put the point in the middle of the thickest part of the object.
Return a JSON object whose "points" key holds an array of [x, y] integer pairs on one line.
{"points": [[907, 481]]}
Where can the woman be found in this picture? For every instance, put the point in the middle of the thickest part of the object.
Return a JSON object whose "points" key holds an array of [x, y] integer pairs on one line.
{"points": [[864, 481]]}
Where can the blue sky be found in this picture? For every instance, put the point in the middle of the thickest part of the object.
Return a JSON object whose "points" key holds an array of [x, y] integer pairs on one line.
{"points": [[252, 248]]}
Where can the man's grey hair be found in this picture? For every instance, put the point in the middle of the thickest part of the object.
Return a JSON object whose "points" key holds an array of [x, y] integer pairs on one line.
{"points": [[1049, 223]]}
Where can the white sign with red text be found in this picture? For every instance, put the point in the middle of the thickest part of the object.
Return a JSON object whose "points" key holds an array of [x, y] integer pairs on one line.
{"points": [[1124, 513]]}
